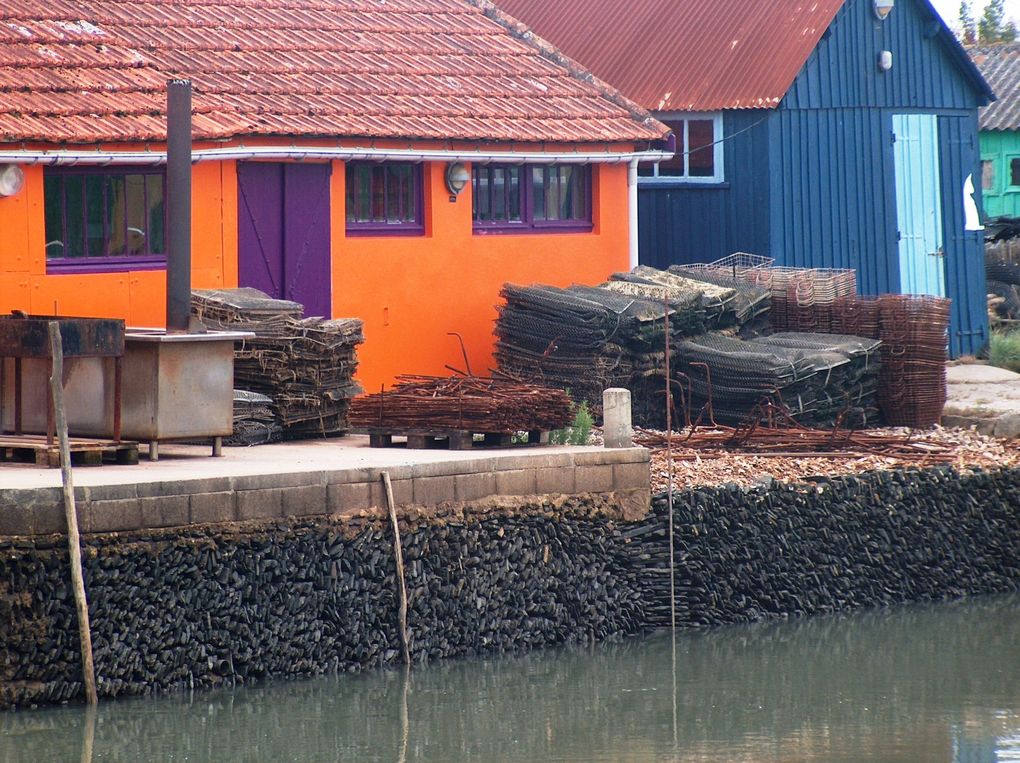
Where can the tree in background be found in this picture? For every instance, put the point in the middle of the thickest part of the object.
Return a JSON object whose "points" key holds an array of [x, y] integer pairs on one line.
{"points": [[968, 30], [991, 27]]}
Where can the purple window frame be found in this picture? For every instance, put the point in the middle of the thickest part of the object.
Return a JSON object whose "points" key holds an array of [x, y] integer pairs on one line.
{"points": [[111, 263], [415, 227], [528, 223]]}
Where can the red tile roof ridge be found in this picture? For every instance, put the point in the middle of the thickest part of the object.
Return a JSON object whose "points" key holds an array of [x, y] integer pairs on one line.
{"points": [[551, 53]]}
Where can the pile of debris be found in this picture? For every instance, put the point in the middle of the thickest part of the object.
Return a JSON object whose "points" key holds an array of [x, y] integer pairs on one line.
{"points": [[1002, 270], [463, 403], [753, 458], [305, 365]]}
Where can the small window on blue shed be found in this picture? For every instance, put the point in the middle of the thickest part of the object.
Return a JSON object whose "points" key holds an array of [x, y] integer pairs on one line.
{"points": [[1014, 171], [699, 150]]}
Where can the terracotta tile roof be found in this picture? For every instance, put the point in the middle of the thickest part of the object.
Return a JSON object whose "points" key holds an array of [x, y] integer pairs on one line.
{"points": [[1000, 66], [86, 71]]}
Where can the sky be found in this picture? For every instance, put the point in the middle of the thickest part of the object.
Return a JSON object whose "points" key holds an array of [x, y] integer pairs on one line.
{"points": [[950, 9]]}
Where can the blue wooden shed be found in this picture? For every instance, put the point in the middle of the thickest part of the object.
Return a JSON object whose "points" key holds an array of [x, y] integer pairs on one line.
{"points": [[823, 133]]}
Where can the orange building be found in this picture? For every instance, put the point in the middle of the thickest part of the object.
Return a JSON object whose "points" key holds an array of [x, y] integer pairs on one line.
{"points": [[397, 162]]}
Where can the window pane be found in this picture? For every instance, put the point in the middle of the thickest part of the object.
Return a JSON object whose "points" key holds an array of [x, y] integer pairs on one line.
{"points": [[987, 174], [480, 198], [1014, 171], [53, 204], [513, 175], [115, 216], [382, 193], [74, 205], [499, 192], [700, 137], [95, 216], [540, 193], [674, 167], [155, 228]]}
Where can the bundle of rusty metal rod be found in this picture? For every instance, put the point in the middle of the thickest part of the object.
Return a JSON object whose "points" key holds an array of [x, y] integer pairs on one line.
{"points": [[794, 440], [474, 403]]}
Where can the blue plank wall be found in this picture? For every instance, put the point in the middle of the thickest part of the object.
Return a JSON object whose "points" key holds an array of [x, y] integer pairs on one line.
{"points": [[813, 185], [679, 222]]}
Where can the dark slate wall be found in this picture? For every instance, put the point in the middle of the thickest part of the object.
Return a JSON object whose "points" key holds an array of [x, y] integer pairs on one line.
{"points": [[235, 604], [879, 539]]}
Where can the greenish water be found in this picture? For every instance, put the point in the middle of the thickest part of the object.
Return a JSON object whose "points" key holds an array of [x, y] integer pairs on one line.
{"points": [[934, 683]]}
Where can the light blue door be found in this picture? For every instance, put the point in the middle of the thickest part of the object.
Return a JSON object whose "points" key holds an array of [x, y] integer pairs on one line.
{"points": [[919, 204]]}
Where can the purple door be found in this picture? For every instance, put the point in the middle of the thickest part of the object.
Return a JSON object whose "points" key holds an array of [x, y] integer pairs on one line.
{"points": [[283, 232]]}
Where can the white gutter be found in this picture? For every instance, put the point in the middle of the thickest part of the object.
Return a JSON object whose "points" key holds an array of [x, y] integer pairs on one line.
{"points": [[101, 158], [632, 216]]}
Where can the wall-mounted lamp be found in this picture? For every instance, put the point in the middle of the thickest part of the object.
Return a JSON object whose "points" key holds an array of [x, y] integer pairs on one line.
{"points": [[457, 177], [11, 179], [884, 60], [883, 8]]}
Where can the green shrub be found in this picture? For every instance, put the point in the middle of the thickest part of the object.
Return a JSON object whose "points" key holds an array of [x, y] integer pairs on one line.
{"points": [[1004, 350], [578, 433]]}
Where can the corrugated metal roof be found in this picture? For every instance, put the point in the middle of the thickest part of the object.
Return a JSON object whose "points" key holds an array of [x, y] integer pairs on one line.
{"points": [[83, 71], [697, 55], [1000, 66]]}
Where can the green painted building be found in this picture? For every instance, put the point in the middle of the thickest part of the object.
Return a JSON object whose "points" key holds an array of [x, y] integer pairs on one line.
{"points": [[1000, 129]]}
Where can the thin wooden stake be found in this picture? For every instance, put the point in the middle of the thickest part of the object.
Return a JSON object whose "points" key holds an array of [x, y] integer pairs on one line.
{"points": [[399, 554], [669, 470], [73, 539]]}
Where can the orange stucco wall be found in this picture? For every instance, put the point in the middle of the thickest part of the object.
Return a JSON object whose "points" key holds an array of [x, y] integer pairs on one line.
{"points": [[137, 296], [410, 291]]}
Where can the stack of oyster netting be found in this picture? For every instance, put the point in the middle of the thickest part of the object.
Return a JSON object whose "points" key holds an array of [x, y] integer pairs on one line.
{"points": [[702, 303], [585, 339], [255, 420], [749, 309], [306, 365], [820, 380], [851, 367]]}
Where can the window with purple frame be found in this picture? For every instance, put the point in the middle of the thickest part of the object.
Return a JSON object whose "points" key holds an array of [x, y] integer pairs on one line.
{"points": [[384, 198], [531, 197], [103, 219]]}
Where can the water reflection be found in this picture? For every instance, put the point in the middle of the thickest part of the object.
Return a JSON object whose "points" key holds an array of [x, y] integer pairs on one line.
{"points": [[937, 683]]}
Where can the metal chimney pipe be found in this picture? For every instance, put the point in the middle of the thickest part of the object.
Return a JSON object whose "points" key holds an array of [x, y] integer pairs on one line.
{"points": [[178, 205]]}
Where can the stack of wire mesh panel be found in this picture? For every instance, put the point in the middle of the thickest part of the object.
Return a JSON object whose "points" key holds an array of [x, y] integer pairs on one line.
{"points": [[913, 332], [819, 380], [255, 420], [914, 338], [851, 368], [585, 339], [750, 306], [306, 365]]}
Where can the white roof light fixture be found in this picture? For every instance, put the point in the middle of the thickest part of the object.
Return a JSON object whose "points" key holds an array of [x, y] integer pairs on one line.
{"points": [[12, 178], [883, 8]]}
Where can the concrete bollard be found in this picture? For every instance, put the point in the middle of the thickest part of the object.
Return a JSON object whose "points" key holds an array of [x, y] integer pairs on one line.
{"points": [[616, 427]]}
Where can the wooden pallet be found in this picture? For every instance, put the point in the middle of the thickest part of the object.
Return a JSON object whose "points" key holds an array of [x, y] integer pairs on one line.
{"points": [[32, 449], [451, 439]]}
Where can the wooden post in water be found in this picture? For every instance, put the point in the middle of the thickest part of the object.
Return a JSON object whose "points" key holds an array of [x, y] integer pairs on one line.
{"points": [[399, 554], [73, 540]]}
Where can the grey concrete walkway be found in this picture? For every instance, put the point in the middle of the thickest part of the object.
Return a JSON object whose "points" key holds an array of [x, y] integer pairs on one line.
{"points": [[187, 486], [984, 397]]}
